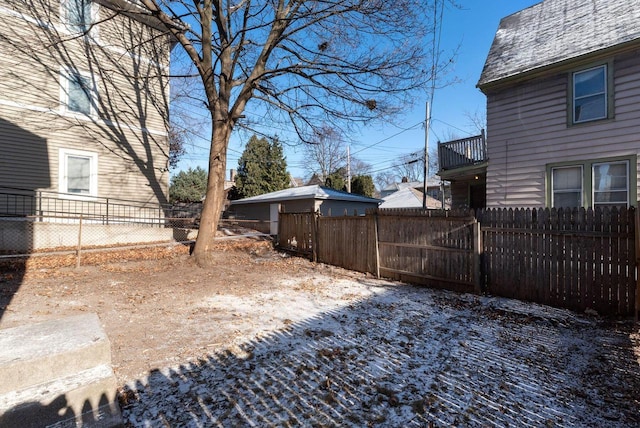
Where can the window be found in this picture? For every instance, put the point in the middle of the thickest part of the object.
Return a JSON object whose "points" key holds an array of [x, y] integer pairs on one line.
{"points": [[590, 94], [611, 183], [78, 15], [78, 93], [606, 182], [78, 172], [566, 183]]}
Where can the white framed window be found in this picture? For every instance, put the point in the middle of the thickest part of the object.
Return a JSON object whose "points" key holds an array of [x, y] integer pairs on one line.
{"points": [[78, 93], [611, 183], [78, 173], [590, 94], [592, 183], [78, 15], [566, 186]]}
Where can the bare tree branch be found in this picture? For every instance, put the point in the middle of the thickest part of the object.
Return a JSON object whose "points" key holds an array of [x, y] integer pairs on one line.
{"points": [[301, 65]]}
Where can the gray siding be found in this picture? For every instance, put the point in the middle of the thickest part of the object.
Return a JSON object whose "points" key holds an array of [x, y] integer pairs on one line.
{"points": [[339, 208], [298, 206], [249, 212], [128, 132], [527, 129], [260, 211]]}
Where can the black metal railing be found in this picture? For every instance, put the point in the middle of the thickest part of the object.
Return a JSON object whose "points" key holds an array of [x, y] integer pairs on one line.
{"points": [[45, 204]]}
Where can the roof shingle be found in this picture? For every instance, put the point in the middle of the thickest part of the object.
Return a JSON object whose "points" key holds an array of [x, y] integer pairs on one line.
{"points": [[554, 31], [305, 192]]}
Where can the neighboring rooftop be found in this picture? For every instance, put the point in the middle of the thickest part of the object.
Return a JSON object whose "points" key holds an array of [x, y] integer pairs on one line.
{"points": [[394, 187], [306, 192], [409, 197], [555, 31]]}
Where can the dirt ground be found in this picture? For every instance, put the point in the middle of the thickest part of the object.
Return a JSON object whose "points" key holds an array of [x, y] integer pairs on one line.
{"points": [[149, 307], [265, 339]]}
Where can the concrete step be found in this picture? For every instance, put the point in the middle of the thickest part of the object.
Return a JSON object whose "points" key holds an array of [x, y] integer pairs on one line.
{"points": [[85, 399], [42, 352], [57, 373]]}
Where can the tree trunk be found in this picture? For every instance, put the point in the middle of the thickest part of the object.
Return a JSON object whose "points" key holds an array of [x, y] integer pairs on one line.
{"points": [[214, 200]]}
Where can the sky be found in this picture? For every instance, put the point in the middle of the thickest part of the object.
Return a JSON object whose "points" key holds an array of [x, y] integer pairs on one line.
{"points": [[468, 31]]}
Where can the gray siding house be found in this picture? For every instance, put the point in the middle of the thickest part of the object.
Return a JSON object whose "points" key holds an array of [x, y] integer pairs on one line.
{"points": [[562, 80], [314, 198]]}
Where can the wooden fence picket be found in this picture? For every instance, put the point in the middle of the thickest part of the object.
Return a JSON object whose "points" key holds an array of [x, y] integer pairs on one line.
{"points": [[574, 258]]}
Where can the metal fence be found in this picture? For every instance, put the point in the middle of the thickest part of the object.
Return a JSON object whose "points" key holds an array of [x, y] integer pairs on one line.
{"points": [[41, 205], [37, 221]]}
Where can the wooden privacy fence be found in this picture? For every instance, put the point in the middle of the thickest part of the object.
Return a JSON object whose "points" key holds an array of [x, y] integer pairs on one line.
{"points": [[297, 232], [575, 259], [429, 247], [348, 242], [571, 258]]}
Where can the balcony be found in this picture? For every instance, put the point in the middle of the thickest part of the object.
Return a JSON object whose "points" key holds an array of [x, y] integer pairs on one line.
{"points": [[462, 153]]}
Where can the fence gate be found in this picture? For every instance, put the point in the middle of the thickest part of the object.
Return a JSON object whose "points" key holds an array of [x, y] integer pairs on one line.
{"points": [[297, 233], [430, 248]]}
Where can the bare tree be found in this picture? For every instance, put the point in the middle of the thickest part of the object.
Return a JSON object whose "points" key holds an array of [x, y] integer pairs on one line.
{"points": [[185, 127], [359, 167], [177, 143], [385, 178], [305, 63], [325, 153], [409, 166], [477, 120]]}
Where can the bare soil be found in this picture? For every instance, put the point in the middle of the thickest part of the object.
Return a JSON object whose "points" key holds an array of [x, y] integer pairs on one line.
{"points": [[149, 299], [264, 339]]}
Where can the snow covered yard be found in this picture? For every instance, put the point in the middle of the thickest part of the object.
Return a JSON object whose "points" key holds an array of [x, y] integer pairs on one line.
{"points": [[323, 351]]}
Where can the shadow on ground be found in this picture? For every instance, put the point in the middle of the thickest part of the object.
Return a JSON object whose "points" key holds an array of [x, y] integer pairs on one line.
{"points": [[408, 357], [10, 282], [33, 414]]}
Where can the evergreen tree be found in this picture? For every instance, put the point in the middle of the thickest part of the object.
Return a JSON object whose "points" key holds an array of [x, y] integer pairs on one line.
{"points": [[188, 186], [262, 168], [363, 185], [336, 180]]}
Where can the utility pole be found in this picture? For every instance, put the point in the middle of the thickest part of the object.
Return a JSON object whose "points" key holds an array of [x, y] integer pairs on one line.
{"points": [[349, 169], [426, 155]]}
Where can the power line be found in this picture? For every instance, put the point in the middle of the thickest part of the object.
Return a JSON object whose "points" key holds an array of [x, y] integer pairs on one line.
{"points": [[388, 138], [450, 125]]}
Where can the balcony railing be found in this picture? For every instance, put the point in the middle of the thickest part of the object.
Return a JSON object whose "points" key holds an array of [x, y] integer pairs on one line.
{"points": [[464, 152]]}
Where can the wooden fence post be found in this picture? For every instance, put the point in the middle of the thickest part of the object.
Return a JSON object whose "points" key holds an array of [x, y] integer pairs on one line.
{"points": [[375, 231], [477, 252], [277, 240], [315, 218]]}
